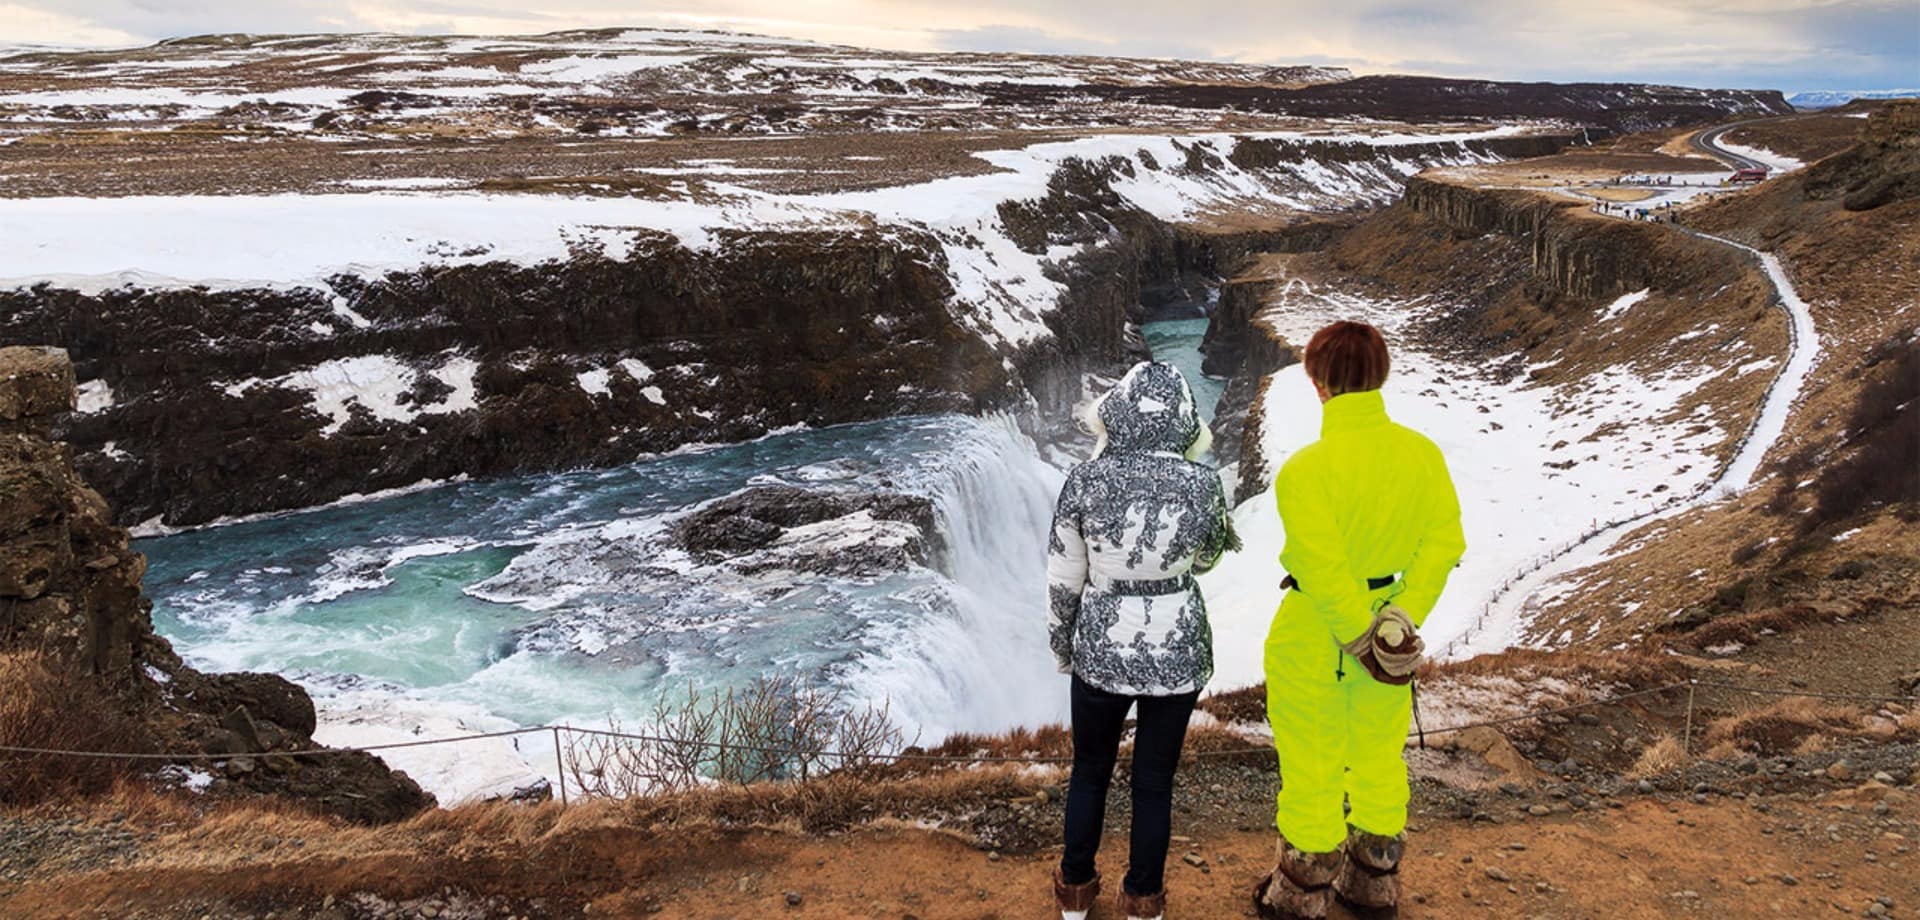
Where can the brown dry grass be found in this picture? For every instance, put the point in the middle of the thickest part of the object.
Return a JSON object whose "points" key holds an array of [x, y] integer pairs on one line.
{"points": [[1745, 628], [1806, 137], [837, 802], [1247, 704], [1796, 725], [1044, 741], [41, 708], [1664, 754]]}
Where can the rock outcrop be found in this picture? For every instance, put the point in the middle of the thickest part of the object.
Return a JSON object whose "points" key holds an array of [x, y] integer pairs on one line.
{"points": [[1575, 252], [70, 591], [823, 532]]}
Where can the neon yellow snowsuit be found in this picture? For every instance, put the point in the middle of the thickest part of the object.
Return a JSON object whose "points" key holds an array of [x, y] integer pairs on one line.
{"points": [[1370, 499]]}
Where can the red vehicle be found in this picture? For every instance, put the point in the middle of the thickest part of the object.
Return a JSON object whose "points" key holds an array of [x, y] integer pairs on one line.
{"points": [[1750, 174]]}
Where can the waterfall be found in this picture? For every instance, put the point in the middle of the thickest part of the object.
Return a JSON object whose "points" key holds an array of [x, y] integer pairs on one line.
{"points": [[977, 659]]}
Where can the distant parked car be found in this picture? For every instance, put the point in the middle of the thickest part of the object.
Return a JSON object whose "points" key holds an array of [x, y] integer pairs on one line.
{"points": [[1750, 174]]}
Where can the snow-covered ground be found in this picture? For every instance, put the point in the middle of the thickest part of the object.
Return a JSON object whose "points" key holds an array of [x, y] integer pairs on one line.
{"points": [[364, 713], [1779, 163], [285, 85], [1537, 466], [1539, 580], [238, 241]]}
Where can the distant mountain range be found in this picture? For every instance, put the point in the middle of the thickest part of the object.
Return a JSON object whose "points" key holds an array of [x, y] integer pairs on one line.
{"points": [[1828, 98]]}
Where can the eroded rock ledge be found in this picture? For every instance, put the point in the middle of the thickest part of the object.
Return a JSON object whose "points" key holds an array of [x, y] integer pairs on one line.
{"points": [[70, 593]]}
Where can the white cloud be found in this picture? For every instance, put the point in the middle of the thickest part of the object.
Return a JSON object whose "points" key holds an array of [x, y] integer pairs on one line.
{"points": [[1783, 43], [30, 25]]}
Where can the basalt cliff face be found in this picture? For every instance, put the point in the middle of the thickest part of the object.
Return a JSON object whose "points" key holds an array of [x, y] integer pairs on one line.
{"points": [[498, 368], [70, 592], [200, 403]]}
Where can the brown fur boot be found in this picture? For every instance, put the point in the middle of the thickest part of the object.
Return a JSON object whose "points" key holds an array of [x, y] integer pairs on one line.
{"points": [[1369, 881], [1143, 906], [1074, 900], [1298, 888]]}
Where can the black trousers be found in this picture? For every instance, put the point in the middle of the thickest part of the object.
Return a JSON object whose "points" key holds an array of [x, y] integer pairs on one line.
{"points": [[1160, 730]]}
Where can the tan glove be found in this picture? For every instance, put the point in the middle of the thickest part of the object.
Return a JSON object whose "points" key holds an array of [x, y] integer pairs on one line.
{"points": [[1391, 649]]}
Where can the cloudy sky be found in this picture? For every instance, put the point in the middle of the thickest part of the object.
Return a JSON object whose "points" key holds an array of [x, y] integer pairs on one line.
{"points": [[1783, 44]]}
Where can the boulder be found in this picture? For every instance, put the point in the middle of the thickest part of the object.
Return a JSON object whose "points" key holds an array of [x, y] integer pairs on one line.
{"points": [[269, 697], [829, 532], [1496, 750]]}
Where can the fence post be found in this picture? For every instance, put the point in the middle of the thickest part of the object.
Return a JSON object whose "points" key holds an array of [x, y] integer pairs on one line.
{"points": [[559, 768], [1686, 741]]}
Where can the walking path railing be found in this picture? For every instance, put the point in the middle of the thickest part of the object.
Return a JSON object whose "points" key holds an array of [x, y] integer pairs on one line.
{"points": [[1677, 503]]}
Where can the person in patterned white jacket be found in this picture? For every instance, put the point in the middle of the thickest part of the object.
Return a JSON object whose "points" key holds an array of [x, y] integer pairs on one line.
{"points": [[1132, 527]]}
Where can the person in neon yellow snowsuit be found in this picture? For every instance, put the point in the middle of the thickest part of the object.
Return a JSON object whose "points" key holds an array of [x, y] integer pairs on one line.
{"points": [[1371, 518]]}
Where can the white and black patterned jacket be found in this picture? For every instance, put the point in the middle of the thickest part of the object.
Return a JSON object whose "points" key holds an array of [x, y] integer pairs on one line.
{"points": [[1132, 527]]}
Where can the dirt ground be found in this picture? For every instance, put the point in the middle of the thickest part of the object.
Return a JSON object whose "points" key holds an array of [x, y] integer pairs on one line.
{"points": [[1649, 859], [1824, 848]]}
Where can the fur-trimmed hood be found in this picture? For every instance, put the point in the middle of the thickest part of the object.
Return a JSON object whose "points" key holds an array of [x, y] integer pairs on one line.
{"points": [[1151, 409]]}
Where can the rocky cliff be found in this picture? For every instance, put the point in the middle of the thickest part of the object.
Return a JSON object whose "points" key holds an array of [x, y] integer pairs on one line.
{"points": [[199, 403], [1620, 106], [70, 592], [226, 402], [1572, 250]]}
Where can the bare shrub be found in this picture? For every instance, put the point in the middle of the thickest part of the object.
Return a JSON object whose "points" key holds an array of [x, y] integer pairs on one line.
{"points": [[774, 729], [1883, 465], [41, 709]]}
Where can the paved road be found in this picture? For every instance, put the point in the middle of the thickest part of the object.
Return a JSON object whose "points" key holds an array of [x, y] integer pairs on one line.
{"points": [[1708, 142]]}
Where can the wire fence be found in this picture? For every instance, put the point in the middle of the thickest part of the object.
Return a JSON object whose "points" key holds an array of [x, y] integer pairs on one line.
{"points": [[562, 732]]}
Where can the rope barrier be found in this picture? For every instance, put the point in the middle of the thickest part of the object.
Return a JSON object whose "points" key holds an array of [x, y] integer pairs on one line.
{"points": [[1911, 700], [559, 730], [296, 752]]}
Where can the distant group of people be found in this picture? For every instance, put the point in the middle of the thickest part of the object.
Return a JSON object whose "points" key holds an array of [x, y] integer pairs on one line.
{"points": [[1372, 528], [1661, 213], [1662, 181]]}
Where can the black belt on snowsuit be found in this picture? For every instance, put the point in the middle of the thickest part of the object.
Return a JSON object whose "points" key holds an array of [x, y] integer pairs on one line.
{"points": [[1152, 587], [1289, 583]]}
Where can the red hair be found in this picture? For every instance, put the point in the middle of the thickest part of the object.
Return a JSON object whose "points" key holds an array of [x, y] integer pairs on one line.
{"points": [[1347, 357]]}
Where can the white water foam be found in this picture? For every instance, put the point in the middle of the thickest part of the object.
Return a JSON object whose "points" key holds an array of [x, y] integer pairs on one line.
{"points": [[986, 666]]}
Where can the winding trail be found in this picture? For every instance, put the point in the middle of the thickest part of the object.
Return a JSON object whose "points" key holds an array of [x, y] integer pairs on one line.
{"points": [[1708, 142], [1507, 609]]}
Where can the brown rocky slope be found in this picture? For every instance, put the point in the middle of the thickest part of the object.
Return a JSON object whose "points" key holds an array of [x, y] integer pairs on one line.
{"points": [[1820, 552], [71, 601]]}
